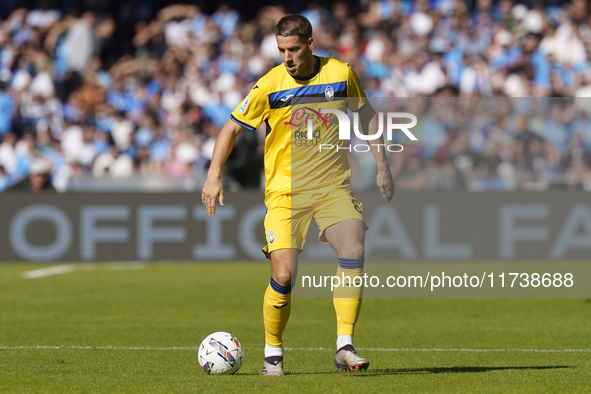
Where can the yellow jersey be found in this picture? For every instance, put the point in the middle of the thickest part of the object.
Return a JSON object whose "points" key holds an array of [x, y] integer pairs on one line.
{"points": [[294, 163]]}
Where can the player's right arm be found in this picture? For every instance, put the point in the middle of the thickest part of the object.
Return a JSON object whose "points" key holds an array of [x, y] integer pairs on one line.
{"points": [[249, 114], [213, 187]]}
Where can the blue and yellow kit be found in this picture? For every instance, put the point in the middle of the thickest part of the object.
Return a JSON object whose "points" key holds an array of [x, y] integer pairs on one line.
{"points": [[303, 182]]}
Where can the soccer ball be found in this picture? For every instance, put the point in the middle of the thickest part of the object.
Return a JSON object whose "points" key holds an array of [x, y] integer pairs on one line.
{"points": [[221, 354]]}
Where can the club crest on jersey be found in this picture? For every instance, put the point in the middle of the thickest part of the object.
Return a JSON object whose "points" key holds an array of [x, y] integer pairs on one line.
{"points": [[329, 93], [271, 236]]}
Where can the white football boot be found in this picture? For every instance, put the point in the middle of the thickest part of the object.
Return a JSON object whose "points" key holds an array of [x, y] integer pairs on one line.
{"points": [[348, 359], [273, 366]]}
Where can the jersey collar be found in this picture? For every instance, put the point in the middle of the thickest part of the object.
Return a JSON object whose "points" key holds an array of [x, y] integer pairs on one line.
{"points": [[316, 69]]}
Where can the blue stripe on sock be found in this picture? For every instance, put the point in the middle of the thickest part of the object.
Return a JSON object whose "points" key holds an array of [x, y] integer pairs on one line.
{"points": [[351, 264], [280, 289]]}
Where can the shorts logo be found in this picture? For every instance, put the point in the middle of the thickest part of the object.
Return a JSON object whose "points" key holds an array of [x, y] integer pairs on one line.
{"points": [[244, 105], [271, 236], [329, 93], [356, 204]]}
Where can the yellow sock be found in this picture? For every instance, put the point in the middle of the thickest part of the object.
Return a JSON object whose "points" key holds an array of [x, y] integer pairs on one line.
{"points": [[347, 299], [276, 310]]}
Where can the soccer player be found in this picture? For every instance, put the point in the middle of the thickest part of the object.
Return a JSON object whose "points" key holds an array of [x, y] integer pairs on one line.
{"points": [[302, 182]]}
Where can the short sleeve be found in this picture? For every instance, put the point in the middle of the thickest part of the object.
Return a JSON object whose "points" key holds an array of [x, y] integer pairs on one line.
{"points": [[253, 110], [356, 96]]}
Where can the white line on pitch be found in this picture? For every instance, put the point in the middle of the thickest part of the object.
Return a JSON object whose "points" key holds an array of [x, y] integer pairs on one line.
{"points": [[300, 349], [450, 350], [98, 347], [66, 268], [55, 270]]}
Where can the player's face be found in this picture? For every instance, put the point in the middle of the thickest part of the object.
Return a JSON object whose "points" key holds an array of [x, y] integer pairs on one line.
{"points": [[296, 55]]}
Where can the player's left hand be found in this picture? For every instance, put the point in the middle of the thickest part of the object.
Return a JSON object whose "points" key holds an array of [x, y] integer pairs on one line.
{"points": [[386, 183]]}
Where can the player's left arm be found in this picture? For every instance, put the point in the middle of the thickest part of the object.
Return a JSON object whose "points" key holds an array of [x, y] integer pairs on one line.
{"points": [[368, 120]]}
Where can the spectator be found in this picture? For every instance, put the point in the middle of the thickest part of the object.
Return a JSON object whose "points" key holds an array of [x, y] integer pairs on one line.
{"points": [[80, 41], [8, 153], [113, 163], [37, 181], [7, 105]]}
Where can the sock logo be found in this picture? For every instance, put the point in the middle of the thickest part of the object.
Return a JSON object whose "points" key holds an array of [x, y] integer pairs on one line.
{"points": [[279, 307]]}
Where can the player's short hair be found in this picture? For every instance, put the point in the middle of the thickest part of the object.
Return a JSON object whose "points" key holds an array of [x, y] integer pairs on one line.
{"points": [[294, 25]]}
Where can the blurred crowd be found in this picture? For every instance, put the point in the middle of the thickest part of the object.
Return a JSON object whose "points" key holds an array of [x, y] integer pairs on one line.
{"points": [[487, 144], [128, 90]]}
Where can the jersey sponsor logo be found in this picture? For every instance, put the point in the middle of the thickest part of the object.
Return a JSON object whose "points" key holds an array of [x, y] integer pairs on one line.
{"points": [[302, 116], [329, 93], [244, 105], [271, 236]]}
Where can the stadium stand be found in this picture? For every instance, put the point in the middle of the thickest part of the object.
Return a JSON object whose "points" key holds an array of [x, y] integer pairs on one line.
{"points": [[130, 96]]}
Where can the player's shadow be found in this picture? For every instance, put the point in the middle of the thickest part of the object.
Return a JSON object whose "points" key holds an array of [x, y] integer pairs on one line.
{"points": [[404, 371]]}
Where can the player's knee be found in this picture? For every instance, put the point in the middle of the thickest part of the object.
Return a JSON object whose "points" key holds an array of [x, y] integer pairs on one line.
{"points": [[283, 262], [282, 277], [353, 250]]}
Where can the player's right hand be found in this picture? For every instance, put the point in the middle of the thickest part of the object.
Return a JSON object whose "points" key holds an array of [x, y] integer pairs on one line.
{"points": [[212, 189]]}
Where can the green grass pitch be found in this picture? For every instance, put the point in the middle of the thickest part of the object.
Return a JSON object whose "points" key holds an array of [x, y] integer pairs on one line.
{"points": [[176, 305]]}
